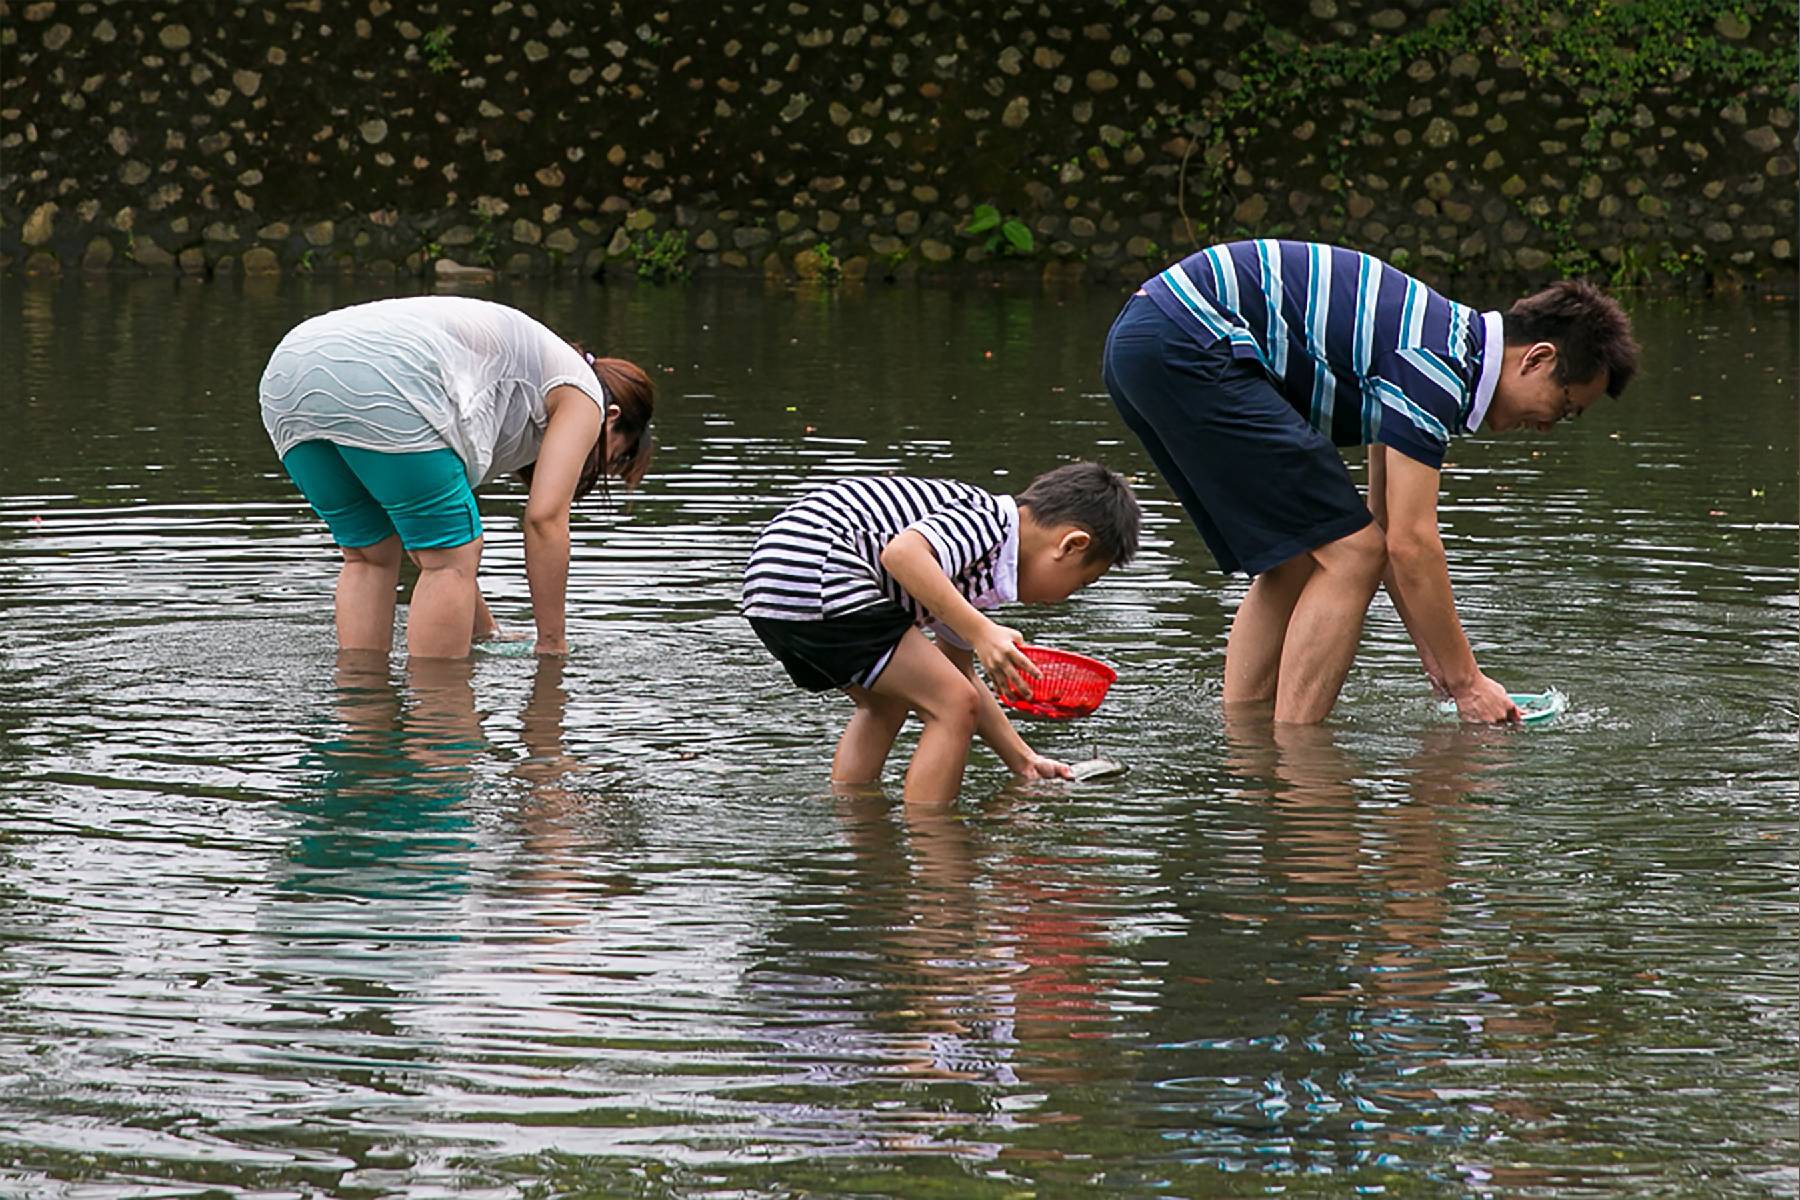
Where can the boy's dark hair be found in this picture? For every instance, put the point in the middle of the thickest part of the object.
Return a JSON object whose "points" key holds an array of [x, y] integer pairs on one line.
{"points": [[1097, 500], [1591, 332]]}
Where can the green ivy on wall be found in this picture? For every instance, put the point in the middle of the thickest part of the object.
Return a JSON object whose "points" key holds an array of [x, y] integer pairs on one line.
{"points": [[1607, 53]]}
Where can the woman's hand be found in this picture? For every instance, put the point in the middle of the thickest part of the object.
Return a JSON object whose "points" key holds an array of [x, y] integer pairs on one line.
{"points": [[1038, 767], [1485, 701], [997, 649]]}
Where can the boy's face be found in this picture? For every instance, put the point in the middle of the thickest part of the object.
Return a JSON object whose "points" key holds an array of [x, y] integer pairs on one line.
{"points": [[1059, 568]]}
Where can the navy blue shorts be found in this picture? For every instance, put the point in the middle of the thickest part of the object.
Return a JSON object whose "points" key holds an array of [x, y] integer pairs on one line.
{"points": [[1261, 484]]}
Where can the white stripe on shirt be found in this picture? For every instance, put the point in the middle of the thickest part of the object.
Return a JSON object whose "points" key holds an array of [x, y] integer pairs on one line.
{"points": [[821, 556]]}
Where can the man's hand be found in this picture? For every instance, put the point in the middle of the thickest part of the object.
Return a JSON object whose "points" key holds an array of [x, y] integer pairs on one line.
{"points": [[1485, 701], [997, 649], [1039, 767]]}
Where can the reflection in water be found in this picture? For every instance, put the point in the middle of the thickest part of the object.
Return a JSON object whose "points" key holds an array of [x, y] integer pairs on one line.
{"points": [[1339, 979], [953, 964], [385, 820], [275, 922]]}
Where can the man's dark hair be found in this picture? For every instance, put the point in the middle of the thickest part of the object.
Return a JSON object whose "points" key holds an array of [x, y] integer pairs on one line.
{"points": [[1591, 332], [1087, 495]]}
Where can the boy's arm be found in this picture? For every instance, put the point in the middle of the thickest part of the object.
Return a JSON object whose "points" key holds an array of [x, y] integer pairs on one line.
{"points": [[999, 733], [908, 558], [1418, 579]]}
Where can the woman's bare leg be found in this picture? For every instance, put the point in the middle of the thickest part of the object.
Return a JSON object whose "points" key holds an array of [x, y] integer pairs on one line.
{"points": [[365, 595], [442, 617]]}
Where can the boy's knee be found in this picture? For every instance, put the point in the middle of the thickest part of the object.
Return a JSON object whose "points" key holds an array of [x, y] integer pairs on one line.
{"points": [[957, 706]]}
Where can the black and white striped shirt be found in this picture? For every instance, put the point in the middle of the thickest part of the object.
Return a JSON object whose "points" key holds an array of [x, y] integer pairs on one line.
{"points": [[821, 556]]}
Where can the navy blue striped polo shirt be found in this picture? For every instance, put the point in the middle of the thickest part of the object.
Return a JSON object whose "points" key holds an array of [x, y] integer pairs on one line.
{"points": [[1363, 351]]}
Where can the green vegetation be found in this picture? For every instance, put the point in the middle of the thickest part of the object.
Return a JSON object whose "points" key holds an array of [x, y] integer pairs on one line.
{"points": [[830, 268], [486, 246], [1605, 53], [1007, 235], [437, 50], [662, 258]]}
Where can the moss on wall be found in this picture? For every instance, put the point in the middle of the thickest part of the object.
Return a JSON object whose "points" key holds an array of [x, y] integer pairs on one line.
{"points": [[1632, 140]]}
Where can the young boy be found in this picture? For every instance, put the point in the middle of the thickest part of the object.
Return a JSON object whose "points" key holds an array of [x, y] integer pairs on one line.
{"points": [[841, 582], [1242, 366]]}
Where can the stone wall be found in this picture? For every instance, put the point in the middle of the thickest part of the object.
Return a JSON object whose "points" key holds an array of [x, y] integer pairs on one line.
{"points": [[1632, 141]]}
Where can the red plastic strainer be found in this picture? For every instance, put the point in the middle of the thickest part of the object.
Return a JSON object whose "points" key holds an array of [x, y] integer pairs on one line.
{"points": [[1072, 685]]}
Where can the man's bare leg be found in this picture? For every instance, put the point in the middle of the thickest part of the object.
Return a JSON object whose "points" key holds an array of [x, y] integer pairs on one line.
{"points": [[1253, 651], [1327, 624]]}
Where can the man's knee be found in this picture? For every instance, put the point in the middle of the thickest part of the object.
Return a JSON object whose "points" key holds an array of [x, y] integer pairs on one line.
{"points": [[1362, 554]]}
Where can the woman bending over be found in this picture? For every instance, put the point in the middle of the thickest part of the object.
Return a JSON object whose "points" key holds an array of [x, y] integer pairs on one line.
{"points": [[389, 415]]}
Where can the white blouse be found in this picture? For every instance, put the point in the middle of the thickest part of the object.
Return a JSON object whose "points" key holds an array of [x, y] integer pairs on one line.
{"points": [[422, 373]]}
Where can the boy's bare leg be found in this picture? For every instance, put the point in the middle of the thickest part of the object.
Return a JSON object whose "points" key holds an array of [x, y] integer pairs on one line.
{"points": [[441, 620], [864, 746], [929, 684], [365, 595], [1327, 624], [1253, 651]]}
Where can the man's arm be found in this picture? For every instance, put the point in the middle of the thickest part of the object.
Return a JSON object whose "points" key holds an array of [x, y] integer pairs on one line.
{"points": [[1378, 507], [1418, 580], [993, 727]]}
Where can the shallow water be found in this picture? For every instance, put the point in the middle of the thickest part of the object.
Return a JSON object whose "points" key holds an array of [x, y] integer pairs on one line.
{"points": [[271, 924]]}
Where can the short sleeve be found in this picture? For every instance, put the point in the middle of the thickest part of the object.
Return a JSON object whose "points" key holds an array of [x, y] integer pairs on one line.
{"points": [[565, 365], [963, 533], [1421, 403]]}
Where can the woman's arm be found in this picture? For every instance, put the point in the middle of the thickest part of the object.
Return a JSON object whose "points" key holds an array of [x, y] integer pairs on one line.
{"points": [[486, 628], [573, 428]]}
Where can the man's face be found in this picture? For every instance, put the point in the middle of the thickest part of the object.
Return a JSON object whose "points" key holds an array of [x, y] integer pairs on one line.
{"points": [[1530, 396]]}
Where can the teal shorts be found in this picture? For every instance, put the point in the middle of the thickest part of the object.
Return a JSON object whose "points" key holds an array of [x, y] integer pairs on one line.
{"points": [[366, 496]]}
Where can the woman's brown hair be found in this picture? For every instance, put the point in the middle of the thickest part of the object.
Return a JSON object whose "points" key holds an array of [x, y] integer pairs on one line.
{"points": [[627, 386]]}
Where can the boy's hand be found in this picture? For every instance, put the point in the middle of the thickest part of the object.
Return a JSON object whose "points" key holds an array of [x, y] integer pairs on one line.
{"points": [[1486, 701], [997, 649], [1039, 767]]}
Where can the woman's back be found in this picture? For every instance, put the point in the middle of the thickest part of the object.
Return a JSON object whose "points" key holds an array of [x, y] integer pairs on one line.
{"points": [[422, 373]]}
